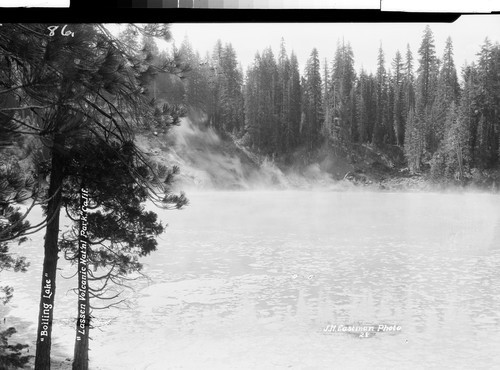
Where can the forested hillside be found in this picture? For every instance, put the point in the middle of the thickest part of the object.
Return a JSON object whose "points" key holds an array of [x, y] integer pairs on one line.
{"points": [[443, 118], [103, 127]]}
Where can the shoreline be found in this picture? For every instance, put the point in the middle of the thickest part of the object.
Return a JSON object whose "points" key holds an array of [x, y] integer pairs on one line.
{"points": [[392, 185], [26, 334]]}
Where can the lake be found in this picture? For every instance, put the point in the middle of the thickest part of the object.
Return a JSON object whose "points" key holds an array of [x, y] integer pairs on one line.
{"points": [[258, 280]]}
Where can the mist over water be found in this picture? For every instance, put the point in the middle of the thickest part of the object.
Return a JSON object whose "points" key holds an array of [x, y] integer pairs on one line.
{"points": [[250, 278], [272, 254], [209, 162]]}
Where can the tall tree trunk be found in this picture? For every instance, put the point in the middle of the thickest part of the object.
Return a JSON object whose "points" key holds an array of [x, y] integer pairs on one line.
{"points": [[460, 162], [48, 289], [81, 354]]}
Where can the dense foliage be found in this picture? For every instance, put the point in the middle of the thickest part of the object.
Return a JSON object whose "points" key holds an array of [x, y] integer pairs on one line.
{"points": [[443, 123], [78, 97]]}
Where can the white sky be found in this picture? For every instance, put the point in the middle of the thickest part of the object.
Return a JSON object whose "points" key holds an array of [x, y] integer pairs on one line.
{"points": [[467, 33], [459, 6], [35, 3]]}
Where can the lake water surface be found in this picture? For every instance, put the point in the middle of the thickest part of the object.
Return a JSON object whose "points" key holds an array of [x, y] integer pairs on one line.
{"points": [[250, 280]]}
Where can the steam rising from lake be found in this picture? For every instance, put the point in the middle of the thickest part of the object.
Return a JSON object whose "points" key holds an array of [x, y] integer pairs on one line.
{"points": [[210, 162]]}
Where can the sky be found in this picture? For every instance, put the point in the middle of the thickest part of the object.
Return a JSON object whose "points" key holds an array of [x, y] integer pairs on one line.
{"points": [[468, 34]]}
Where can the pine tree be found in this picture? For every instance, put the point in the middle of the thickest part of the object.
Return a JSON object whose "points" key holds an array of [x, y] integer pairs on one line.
{"points": [[486, 96], [398, 98], [342, 96], [380, 133], [456, 143], [251, 136], [469, 109], [327, 129], [283, 99], [295, 94], [15, 188], [362, 106], [196, 82], [448, 90], [313, 101], [261, 108], [268, 80], [216, 86], [426, 88], [231, 98], [408, 83], [414, 141], [93, 92]]}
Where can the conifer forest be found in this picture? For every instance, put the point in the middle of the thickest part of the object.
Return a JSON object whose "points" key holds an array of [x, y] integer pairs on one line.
{"points": [[167, 207], [445, 118]]}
